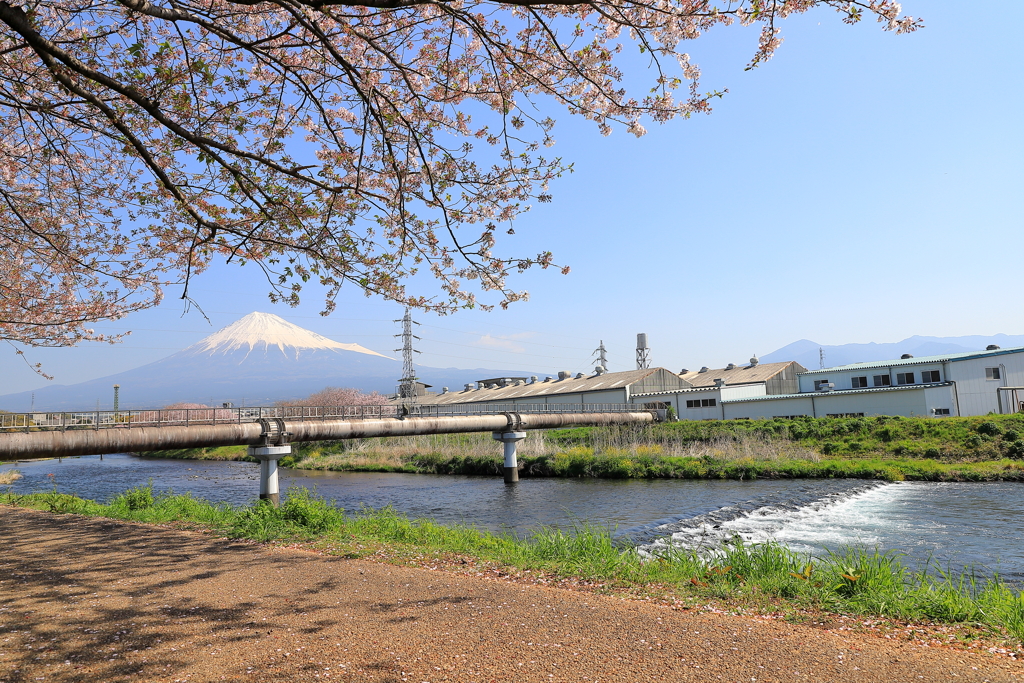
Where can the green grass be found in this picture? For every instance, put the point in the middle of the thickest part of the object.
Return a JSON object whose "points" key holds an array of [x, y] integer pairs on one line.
{"points": [[764, 577]]}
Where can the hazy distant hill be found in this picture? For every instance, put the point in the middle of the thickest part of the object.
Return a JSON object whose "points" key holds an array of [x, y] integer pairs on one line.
{"points": [[257, 360], [805, 351]]}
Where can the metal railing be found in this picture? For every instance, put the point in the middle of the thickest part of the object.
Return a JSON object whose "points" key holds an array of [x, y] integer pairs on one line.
{"points": [[127, 419]]}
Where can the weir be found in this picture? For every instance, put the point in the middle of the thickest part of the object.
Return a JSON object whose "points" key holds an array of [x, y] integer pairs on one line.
{"points": [[270, 434]]}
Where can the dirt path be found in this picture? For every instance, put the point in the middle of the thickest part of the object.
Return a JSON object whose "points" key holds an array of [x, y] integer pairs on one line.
{"points": [[86, 599]]}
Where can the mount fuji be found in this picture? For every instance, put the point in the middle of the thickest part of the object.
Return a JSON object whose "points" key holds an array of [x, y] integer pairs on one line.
{"points": [[257, 360]]}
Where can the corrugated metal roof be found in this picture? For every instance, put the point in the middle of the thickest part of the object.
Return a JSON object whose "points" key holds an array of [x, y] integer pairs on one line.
{"points": [[841, 392], [689, 390], [747, 374], [603, 382], [916, 361]]}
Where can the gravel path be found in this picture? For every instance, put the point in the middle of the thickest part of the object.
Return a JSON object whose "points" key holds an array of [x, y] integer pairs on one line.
{"points": [[85, 599]]}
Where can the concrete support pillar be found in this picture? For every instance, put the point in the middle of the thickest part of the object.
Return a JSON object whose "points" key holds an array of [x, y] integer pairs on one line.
{"points": [[268, 457], [510, 441]]}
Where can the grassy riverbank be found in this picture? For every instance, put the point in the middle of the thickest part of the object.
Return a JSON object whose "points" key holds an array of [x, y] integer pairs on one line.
{"points": [[767, 578], [891, 448]]}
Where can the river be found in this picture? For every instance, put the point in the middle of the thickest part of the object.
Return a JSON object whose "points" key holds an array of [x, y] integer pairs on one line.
{"points": [[953, 524]]}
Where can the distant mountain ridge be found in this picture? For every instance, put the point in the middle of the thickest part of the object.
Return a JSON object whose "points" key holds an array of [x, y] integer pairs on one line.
{"points": [[806, 352], [257, 360]]}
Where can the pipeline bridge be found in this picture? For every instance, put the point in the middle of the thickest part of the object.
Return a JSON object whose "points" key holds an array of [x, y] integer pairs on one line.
{"points": [[269, 432]]}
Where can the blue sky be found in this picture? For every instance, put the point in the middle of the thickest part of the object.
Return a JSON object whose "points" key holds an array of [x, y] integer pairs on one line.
{"points": [[859, 187]]}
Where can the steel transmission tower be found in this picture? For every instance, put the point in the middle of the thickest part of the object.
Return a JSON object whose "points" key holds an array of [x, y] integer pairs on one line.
{"points": [[602, 359], [407, 385]]}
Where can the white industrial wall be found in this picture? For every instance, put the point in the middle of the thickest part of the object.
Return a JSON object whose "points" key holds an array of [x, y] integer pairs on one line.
{"points": [[768, 408], [843, 379], [906, 402], [977, 395], [941, 397], [917, 401], [743, 391], [678, 399]]}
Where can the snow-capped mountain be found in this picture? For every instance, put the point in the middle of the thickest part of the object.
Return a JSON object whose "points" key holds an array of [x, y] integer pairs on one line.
{"points": [[257, 360], [260, 331]]}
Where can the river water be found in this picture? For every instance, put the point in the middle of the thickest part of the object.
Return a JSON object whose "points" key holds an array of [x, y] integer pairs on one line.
{"points": [[953, 524]]}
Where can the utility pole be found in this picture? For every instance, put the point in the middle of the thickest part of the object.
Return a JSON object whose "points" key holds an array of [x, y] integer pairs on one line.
{"points": [[117, 395], [602, 359], [821, 358], [407, 385]]}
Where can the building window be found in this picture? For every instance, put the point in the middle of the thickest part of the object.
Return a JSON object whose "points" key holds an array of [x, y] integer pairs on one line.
{"points": [[991, 373], [882, 380], [844, 415], [941, 411], [860, 382], [930, 376], [818, 383], [702, 403], [905, 378]]}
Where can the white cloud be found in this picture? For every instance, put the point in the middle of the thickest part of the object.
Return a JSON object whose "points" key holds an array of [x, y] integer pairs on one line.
{"points": [[505, 342]]}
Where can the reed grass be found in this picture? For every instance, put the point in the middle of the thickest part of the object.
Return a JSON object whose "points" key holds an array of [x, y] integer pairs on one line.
{"points": [[849, 581], [8, 477]]}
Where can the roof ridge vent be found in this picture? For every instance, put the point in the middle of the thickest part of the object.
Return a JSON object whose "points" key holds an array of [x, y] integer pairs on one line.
{"points": [[703, 369], [992, 347], [730, 366], [579, 375], [564, 374], [906, 356]]}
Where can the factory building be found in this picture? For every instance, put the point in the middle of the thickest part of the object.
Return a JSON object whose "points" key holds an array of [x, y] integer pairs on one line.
{"points": [[964, 384], [961, 384], [599, 387]]}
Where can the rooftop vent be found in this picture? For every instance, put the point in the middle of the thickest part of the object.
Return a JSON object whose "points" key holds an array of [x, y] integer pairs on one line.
{"points": [[579, 375], [533, 379], [562, 374], [992, 347], [444, 390], [683, 371], [547, 379], [754, 360], [599, 370], [469, 387], [905, 356], [703, 369], [730, 366], [719, 382]]}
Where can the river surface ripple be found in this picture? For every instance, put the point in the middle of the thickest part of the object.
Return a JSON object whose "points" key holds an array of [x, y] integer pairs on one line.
{"points": [[952, 524]]}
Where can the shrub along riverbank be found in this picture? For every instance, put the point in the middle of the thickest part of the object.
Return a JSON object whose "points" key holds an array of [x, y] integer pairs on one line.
{"points": [[986, 448], [767, 577]]}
